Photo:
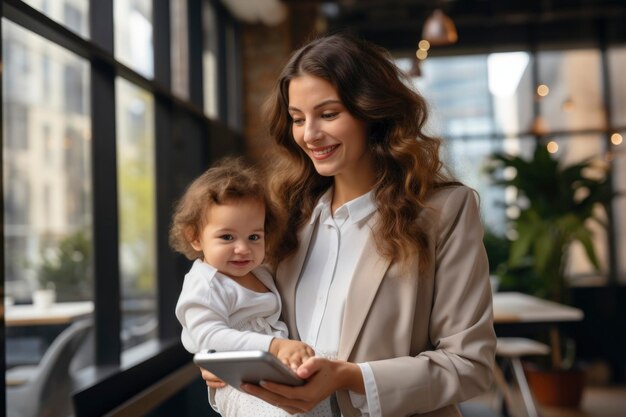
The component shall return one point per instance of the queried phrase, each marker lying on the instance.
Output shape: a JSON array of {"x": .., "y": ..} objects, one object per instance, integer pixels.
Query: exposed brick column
[{"x": 265, "y": 51}]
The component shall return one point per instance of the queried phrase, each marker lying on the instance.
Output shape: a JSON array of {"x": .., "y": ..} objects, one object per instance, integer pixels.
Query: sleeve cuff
[
  {"x": 368, "y": 404},
  {"x": 259, "y": 342}
]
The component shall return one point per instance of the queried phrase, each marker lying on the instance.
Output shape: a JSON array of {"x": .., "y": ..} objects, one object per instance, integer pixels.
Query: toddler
[{"x": 229, "y": 300}]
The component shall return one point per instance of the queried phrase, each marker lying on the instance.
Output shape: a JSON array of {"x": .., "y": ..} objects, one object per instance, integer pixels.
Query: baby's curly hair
[{"x": 229, "y": 180}]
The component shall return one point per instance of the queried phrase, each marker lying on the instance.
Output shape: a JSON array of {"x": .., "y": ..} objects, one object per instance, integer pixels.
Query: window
[
  {"x": 133, "y": 35},
  {"x": 94, "y": 154},
  {"x": 71, "y": 13},
  {"x": 74, "y": 17},
  {"x": 456, "y": 88},
  {"x": 49, "y": 206},
  {"x": 179, "y": 48},
  {"x": 487, "y": 103},
  {"x": 15, "y": 133},
  {"x": 136, "y": 191},
  {"x": 209, "y": 60},
  {"x": 574, "y": 99},
  {"x": 616, "y": 63},
  {"x": 47, "y": 188},
  {"x": 73, "y": 88}
]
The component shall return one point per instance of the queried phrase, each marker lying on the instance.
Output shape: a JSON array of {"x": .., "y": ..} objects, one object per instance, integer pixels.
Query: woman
[{"x": 382, "y": 268}]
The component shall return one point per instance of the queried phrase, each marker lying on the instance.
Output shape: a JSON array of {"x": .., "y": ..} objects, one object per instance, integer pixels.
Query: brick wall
[{"x": 265, "y": 51}]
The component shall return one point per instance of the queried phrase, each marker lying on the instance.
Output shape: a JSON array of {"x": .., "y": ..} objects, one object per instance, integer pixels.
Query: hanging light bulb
[
  {"x": 543, "y": 90},
  {"x": 553, "y": 147},
  {"x": 439, "y": 29}
]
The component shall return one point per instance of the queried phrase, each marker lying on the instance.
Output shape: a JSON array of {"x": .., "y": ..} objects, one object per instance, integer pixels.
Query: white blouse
[{"x": 336, "y": 246}]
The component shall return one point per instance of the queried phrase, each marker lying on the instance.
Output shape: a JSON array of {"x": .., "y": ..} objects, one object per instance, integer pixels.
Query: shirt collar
[
  {"x": 322, "y": 203},
  {"x": 358, "y": 209}
]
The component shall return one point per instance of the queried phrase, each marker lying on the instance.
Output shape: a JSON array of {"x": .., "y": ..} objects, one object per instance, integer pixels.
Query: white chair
[
  {"x": 45, "y": 389},
  {"x": 512, "y": 349}
]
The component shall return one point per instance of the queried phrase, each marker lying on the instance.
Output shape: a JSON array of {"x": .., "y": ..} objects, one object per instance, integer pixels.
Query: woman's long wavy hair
[{"x": 406, "y": 159}]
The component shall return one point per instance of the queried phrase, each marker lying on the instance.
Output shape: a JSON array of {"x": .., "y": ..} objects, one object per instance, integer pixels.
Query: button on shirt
[{"x": 335, "y": 249}]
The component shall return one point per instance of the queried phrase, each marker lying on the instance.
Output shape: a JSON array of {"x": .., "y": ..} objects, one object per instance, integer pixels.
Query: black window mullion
[
  {"x": 167, "y": 287},
  {"x": 232, "y": 69},
  {"x": 195, "y": 36},
  {"x": 101, "y": 24},
  {"x": 611, "y": 232},
  {"x": 107, "y": 298},
  {"x": 3, "y": 398},
  {"x": 161, "y": 28},
  {"x": 222, "y": 63}
]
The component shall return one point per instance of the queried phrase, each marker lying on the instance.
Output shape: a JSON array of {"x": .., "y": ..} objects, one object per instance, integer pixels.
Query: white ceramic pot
[{"x": 44, "y": 298}]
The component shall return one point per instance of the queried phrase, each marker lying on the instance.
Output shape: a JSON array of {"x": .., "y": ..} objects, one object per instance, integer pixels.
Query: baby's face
[{"x": 233, "y": 238}]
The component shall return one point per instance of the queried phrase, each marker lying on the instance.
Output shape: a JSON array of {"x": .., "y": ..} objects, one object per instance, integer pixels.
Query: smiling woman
[{"x": 376, "y": 243}]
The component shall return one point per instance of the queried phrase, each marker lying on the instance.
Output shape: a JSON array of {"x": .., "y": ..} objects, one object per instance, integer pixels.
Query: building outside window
[{"x": 481, "y": 104}]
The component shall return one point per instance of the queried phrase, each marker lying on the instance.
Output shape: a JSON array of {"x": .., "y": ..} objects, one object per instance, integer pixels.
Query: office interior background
[{"x": 110, "y": 108}]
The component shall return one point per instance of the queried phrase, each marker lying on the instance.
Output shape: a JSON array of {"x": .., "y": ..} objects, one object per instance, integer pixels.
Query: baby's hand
[{"x": 291, "y": 352}]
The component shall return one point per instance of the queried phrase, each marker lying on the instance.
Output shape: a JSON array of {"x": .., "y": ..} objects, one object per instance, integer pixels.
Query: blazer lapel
[
  {"x": 287, "y": 276},
  {"x": 367, "y": 277}
]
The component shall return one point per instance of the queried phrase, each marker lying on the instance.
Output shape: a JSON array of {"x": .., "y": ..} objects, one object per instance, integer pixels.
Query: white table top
[
  {"x": 57, "y": 313},
  {"x": 515, "y": 307},
  {"x": 508, "y": 307}
]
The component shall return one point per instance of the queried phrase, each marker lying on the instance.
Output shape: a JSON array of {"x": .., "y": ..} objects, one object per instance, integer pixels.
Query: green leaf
[
  {"x": 585, "y": 237},
  {"x": 521, "y": 247},
  {"x": 561, "y": 201}
]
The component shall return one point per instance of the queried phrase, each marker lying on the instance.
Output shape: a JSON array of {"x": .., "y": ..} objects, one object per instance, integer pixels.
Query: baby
[{"x": 229, "y": 300}]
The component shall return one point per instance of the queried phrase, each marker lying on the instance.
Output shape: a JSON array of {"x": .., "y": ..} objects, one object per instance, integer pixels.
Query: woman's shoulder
[
  {"x": 450, "y": 193},
  {"x": 447, "y": 202}
]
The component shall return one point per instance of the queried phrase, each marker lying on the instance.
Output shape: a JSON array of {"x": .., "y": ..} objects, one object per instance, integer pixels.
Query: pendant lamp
[{"x": 439, "y": 29}]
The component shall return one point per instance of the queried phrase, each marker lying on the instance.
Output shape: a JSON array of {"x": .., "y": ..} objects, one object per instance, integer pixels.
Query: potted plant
[
  {"x": 555, "y": 206},
  {"x": 66, "y": 267}
]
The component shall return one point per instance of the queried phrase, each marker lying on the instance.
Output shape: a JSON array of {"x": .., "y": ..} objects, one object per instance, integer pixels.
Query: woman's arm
[{"x": 459, "y": 364}]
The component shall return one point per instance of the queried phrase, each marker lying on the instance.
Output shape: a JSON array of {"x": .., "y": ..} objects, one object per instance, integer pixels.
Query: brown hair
[
  {"x": 406, "y": 159},
  {"x": 230, "y": 179}
]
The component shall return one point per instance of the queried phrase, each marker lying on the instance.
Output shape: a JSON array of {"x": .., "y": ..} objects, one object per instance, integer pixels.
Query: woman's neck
[{"x": 347, "y": 190}]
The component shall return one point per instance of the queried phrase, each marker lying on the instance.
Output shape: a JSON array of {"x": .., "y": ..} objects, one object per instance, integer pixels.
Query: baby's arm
[
  {"x": 204, "y": 311},
  {"x": 291, "y": 352}
]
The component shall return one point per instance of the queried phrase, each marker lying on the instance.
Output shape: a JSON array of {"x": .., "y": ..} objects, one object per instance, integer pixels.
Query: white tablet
[{"x": 251, "y": 366}]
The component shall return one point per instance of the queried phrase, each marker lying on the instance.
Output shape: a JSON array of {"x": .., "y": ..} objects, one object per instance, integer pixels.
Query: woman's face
[{"x": 333, "y": 138}]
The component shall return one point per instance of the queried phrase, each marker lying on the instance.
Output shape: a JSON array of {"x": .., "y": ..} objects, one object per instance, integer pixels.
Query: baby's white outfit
[{"x": 218, "y": 313}]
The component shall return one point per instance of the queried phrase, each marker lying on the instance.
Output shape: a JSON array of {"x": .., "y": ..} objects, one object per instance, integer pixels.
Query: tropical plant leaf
[
  {"x": 560, "y": 202},
  {"x": 585, "y": 237},
  {"x": 521, "y": 246}
]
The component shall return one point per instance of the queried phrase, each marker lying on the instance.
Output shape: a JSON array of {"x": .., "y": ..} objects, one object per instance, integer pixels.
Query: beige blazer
[{"x": 427, "y": 336}]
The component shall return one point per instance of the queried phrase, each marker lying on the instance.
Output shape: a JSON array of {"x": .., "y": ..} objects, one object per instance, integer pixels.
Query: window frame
[{"x": 140, "y": 366}]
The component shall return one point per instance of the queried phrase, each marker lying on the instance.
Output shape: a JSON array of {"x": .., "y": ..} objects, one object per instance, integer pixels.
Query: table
[
  {"x": 58, "y": 313},
  {"x": 517, "y": 310},
  {"x": 516, "y": 307}
]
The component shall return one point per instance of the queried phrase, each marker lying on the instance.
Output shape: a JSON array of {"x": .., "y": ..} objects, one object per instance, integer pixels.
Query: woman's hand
[
  {"x": 211, "y": 380},
  {"x": 323, "y": 377}
]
